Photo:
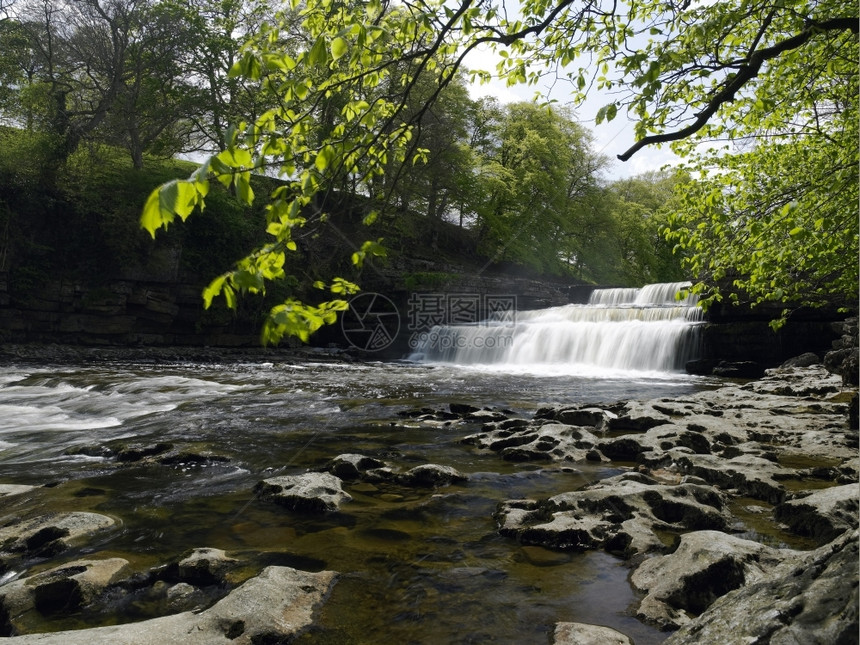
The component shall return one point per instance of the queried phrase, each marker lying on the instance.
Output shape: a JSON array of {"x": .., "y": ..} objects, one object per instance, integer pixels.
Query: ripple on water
[{"x": 419, "y": 566}]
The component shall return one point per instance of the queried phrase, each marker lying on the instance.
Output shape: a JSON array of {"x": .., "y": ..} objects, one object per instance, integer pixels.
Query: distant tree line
[{"x": 159, "y": 78}]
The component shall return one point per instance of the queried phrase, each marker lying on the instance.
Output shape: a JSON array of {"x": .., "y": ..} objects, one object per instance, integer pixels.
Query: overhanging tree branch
[{"x": 745, "y": 73}]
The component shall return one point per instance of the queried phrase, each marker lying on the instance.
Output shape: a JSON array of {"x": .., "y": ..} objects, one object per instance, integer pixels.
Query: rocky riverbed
[{"x": 708, "y": 486}]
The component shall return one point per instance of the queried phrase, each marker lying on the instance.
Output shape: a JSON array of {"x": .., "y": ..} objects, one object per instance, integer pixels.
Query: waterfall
[{"x": 645, "y": 329}]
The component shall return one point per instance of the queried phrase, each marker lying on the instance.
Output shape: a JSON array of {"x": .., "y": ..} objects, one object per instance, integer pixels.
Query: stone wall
[{"x": 122, "y": 312}]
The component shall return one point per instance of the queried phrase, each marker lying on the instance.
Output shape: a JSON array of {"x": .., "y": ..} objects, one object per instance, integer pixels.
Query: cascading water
[{"x": 646, "y": 329}]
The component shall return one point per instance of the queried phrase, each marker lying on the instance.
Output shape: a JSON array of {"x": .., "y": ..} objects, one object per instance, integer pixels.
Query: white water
[{"x": 620, "y": 330}]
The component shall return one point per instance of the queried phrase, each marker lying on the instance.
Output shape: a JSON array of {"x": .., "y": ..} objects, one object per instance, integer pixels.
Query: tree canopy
[{"x": 775, "y": 214}]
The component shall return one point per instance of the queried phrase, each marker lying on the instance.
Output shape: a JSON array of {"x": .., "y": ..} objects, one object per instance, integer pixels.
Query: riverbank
[{"x": 716, "y": 502}]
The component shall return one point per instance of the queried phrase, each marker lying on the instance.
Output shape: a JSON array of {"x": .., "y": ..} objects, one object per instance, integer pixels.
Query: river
[{"x": 417, "y": 566}]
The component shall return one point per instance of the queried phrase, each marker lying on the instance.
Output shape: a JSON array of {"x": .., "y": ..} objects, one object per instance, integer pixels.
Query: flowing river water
[{"x": 418, "y": 566}]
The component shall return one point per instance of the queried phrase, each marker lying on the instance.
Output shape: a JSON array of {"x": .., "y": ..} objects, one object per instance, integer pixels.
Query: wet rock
[
  {"x": 274, "y": 607},
  {"x": 205, "y": 566},
  {"x": 430, "y": 476},
  {"x": 352, "y": 466},
  {"x": 619, "y": 514},
  {"x": 746, "y": 475},
  {"x": 47, "y": 535},
  {"x": 462, "y": 409},
  {"x": 90, "y": 450},
  {"x": 822, "y": 515},
  {"x": 811, "y": 599},
  {"x": 594, "y": 417},
  {"x": 795, "y": 381},
  {"x": 844, "y": 360},
  {"x": 655, "y": 440},
  {"x": 138, "y": 453},
  {"x": 183, "y": 597},
  {"x": 804, "y": 360},
  {"x": 739, "y": 369},
  {"x": 192, "y": 458},
  {"x": 308, "y": 492},
  {"x": 62, "y": 589},
  {"x": 584, "y": 634},
  {"x": 539, "y": 441},
  {"x": 638, "y": 416},
  {"x": 705, "y": 566}
]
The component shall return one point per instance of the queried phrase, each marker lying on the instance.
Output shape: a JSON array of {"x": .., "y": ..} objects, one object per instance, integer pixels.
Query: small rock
[
  {"x": 205, "y": 566},
  {"x": 584, "y": 634},
  {"x": 352, "y": 466},
  {"x": 804, "y": 360},
  {"x": 9, "y": 490},
  {"x": 309, "y": 492},
  {"x": 430, "y": 476}
]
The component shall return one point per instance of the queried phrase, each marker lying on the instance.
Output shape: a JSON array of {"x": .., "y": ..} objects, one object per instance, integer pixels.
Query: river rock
[
  {"x": 540, "y": 441},
  {"x": 806, "y": 359},
  {"x": 66, "y": 588},
  {"x": 597, "y": 418},
  {"x": 308, "y": 492},
  {"x": 430, "y": 476},
  {"x": 47, "y": 535},
  {"x": 10, "y": 490},
  {"x": 810, "y": 598},
  {"x": 205, "y": 566},
  {"x": 585, "y": 634},
  {"x": 658, "y": 439},
  {"x": 823, "y": 514},
  {"x": 274, "y": 607},
  {"x": 352, "y": 466},
  {"x": 814, "y": 380},
  {"x": 619, "y": 514},
  {"x": 705, "y": 566},
  {"x": 745, "y": 475}
]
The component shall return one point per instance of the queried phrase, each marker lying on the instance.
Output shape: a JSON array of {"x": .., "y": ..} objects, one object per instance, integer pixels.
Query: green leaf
[{"x": 339, "y": 47}]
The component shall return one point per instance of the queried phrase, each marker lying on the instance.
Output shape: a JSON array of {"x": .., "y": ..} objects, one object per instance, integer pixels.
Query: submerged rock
[
  {"x": 274, "y": 607},
  {"x": 811, "y": 599},
  {"x": 308, "y": 492}
]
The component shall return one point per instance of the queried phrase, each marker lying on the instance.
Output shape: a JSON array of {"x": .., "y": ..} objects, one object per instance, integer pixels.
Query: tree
[
  {"x": 640, "y": 206},
  {"x": 215, "y": 32},
  {"x": 685, "y": 72},
  {"x": 535, "y": 170},
  {"x": 153, "y": 98}
]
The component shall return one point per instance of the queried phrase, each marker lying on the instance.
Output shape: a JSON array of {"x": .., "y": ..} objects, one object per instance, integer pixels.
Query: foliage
[
  {"x": 640, "y": 207},
  {"x": 534, "y": 172},
  {"x": 345, "y": 110}
]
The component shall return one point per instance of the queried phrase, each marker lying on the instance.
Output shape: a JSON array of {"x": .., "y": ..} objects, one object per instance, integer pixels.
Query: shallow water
[{"x": 417, "y": 566}]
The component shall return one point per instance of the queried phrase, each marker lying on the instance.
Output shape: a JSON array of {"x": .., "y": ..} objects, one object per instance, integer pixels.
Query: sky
[{"x": 611, "y": 138}]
